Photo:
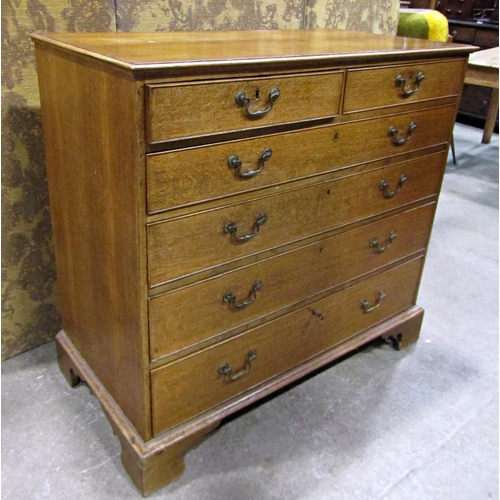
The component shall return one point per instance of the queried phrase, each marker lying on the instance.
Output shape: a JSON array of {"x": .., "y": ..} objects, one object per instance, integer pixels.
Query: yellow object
[
  {"x": 423, "y": 23},
  {"x": 438, "y": 25}
]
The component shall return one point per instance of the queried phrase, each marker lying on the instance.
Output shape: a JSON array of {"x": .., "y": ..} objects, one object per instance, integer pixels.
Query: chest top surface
[{"x": 153, "y": 51}]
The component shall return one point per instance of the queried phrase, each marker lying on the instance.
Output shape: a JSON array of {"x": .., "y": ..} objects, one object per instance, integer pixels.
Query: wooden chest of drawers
[{"x": 232, "y": 211}]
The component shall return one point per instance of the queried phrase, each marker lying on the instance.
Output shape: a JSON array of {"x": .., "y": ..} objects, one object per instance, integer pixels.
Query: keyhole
[
  {"x": 328, "y": 193},
  {"x": 318, "y": 315},
  {"x": 257, "y": 94}
]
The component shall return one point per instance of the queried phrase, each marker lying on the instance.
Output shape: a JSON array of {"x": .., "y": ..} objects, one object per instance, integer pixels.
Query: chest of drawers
[{"x": 232, "y": 211}]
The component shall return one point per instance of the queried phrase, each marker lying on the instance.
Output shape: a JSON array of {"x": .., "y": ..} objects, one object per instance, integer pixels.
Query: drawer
[
  {"x": 194, "y": 175},
  {"x": 195, "y": 384},
  {"x": 475, "y": 100},
  {"x": 176, "y": 111},
  {"x": 284, "y": 280},
  {"x": 463, "y": 34},
  {"x": 486, "y": 38},
  {"x": 372, "y": 88},
  {"x": 192, "y": 243}
]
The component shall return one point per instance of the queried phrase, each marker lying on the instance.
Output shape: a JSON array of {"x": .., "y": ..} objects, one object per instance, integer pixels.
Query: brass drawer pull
[
  {"x": 399, "y": 141},
  {"x": 374, "y": 243},
  {"x": 231, "y": 228},
  {"x": 384, "y": 187},
  {"x": 401, "y": 82},
  {"x": 234, "y": 162},
  {"x": 230, "y": 297},
  {"x": 227, "y": 371},
  {"x": 367, "y": 308},
  {"x": 242, "y": 100}
]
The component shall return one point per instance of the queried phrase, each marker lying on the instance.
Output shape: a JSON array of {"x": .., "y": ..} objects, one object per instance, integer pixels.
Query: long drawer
[
  {"x": 189, "y": 176},
  {"x": 373, "y": 88},
  {"x": 204, "y": 108},
  {"x": 217, "y": 305},
  {"x": 199, "y": 382},
  {"x": 188, "y": 244}
]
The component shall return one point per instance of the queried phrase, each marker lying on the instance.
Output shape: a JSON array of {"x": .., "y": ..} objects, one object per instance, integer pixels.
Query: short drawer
[
  {"x": 215, "y": 306},
  {"x": 176, "y": 111},
  {"x": 475, "y": 100},
  {"x": 462, "y": 34},
  {"x": 197, "y": 383},
  {"x": 185, "y": 245},
  {"x": 189, "y": 176},
  {"x": 373, "y": 88},
  {"x": 486, "y": 38}
]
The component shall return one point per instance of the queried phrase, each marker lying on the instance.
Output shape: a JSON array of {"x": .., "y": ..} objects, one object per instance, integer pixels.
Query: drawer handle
[
  {"x": 227, "y": 371},
  {"x": 401, "y": 82},
  {"x": 231, "y": 228},
  {"x": 384, "y": 187},
  {"x": 242, "y": 100},
  {"x": 399, "y": 141},
  {"x": 230, "y": 297},
  {"x": 374, "y": 243},
  {"x": 234, "y": 162},
  {"x": 367, "y": 308}
]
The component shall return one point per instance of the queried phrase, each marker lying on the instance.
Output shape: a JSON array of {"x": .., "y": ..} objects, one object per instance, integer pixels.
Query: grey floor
[{"x": 418, "y": 424}]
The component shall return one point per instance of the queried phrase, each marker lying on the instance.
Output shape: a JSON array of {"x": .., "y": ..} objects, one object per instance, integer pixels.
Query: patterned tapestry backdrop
[{"x": 29, "y": 297}]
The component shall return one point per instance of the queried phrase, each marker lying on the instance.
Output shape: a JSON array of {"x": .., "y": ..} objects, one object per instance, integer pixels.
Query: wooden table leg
[{"x": 490, "y": 119}]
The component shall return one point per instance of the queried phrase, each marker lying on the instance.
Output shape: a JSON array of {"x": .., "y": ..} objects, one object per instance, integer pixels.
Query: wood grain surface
[
  {"x": 192, "y": 385},
  {"x": 201, "y": 51},
  {"x": 372, "y": 88},
  {"x": 195, "y": 242},
  {"x": 95, "y": 169},
  {"x": 179, "y": 178},
  {"x": 196, "y": 313},
  {"x": 207, "y": 108}
]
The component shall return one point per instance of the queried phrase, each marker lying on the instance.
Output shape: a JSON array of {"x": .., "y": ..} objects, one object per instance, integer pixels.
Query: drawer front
[
  {"x": 192, "y": 385},
  {"x": 194, "y": 175},
  {"x": 475, "y": 100},
  {"x": 207, "y": 108},
  {"x": 188, "y": 244},
  {"x": 486, "y": 38},
  {"x": 463, "y": 34},
  {"x": 372, "y": 88},
  {"x": 284, "y": 280}
]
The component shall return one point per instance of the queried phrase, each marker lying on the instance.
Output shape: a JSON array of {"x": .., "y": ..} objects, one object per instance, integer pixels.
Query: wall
[{"x": 29, "y": 298}]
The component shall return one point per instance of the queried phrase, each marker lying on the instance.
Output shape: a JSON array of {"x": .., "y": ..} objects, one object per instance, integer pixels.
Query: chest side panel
[{"x": 95, "y": 168}]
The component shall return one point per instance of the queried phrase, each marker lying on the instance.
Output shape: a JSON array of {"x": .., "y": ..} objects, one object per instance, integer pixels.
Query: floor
[{"x": 417, "y": 424}]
